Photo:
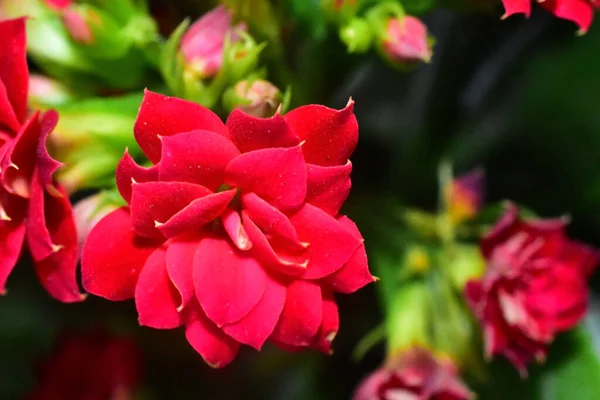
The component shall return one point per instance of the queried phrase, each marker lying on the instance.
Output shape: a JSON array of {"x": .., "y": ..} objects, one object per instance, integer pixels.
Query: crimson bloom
[
  {"x": 90, "y": 366},
  {"x": 33, "y": 207},
  {"x": 580, "y": 12},
  {"x": 534, "y": 287},
  {"x": 235, "y": 231},
  {"x": 414, "y": 374}
]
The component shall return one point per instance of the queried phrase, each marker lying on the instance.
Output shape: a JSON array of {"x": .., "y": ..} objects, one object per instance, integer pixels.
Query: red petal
[
  {"x": 153, "y": 203},
  {"x": 113, "y": 256},
  {"x": 19, "y": 161},
  {"x": 330, "y": 244},
  {"x": 234, "y": 228},
  {"x": 331, "y": 135},
  {"x": 156, "y": 299},
  {"x": 328, "y": 187},
  {"x": 180, "y": 261},
  {"x": 330, "y": 324},
  {"x": 57, "y": 272},
  {"x": 251, "y": 133},
  {"x": 269, "y": 219},
  {"x": 228, "y": 285},
  {"x": 128, "y": 171},
  {"x": 13, "y": 68},
  {"x": 46, "y": 165},
  {"x": 39, "y": 237},
  {"x": 301, "y": 316},
  {"x": 579, "y": 11},
  {"x": 161, "y": 115},
  {"x": 355, "y": 274},
  {"x": 516, "y": 7},
  {"x": 8, "y": 118},
  {"x": 256, "y": 327},
  {"x": 197, "y": 214},
  {"x": 277, "y": 175},
  {"x": 12, "y": 234},
  {"x": 215, "y": 347},
  {"x": 197, "y": 156},
  {"x": 286, "y": 263}
]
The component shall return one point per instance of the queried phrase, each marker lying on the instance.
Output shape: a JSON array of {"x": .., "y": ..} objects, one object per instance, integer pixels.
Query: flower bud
[
  {"x": 259, "y": 98},
  {"x": 47, "y": 92},
  {"x": 357, "y": 35},
  {"x": 78, "y": 27},
  {"x": 406, "y": 41},
  {"x": 464, "y": 196},
  {"x": 88, "y": 212},
  {"x": 203, "y": 44},
  {"x": 415, "y": 373}
]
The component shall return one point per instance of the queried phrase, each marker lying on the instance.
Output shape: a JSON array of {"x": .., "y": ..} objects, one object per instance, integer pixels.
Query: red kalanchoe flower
[
  {"x": 534, "y": 287},
  {"x": 33, "y": 207},
  {"x": 91, "y": 366},
  {"x": 406, "y": 40},
  {"x": 203, "y": 44},
  {"x": 414, "y": 374},
  {"x": 235, "y": 231},
  {"x": 580, "y": 12}
]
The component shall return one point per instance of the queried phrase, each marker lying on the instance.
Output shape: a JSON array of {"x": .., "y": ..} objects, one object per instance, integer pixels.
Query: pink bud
[
  {"x": 464, "y": 195},
  {"x": 202, "y": 45},
  {"x": 261, "y": 98},
  {"x": 87, "y": 213},
  {"x": 406, "y": 40},
  {"x": 77, "y": 26},
  {"x": 43, "y": 90}
]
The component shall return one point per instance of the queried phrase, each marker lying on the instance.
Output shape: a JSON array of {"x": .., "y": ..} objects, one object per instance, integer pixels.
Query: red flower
[
  {"x": 235, "y": 231},
  {"x": 535, "y": 286},
  {"x": 202, "y": 45},
  {"x": 92, "y": 366},
  {"x": 32, "y": 206},
  {"x": 406, "y": 40},
  {"x": 415, "y": 374},
  {"x": 580, "y": 12}
]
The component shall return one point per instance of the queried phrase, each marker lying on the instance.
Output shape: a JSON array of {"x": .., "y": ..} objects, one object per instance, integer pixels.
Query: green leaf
[{"x": 171, "y": 62}]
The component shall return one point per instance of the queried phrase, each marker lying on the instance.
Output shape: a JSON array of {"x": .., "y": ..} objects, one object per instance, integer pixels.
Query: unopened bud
[
  {"x": 259, "y": 98},
  {"x": 88, "y": 212},
  {"x": 464, "y": 196},
  {"x": 203, "y": 44},
  {"x": 357, "y": 35},
  {"x": 47, "y": 92},
  {"x": 406, "y": 41},
  {"x": 77, "y": 25}
]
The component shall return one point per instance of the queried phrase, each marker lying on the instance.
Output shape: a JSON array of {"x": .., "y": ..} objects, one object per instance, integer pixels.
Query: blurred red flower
[
  {"x": 91, "y": 366},
  {"x": 534, "y": 287},
  {"x": 235, "y": 232},
  {"x": 414, "y": 374},
  {"x": 33, "y": 207}
]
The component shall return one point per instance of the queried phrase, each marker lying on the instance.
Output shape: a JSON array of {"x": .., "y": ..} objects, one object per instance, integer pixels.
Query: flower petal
[
  {"x": 228, "y": 285},
  {"x": 161, "y": 115},
  {"x": 197, "y": 157},
  {"x": 330, "y": 324},
  {"x": 257, "y": 326},
  {"x": 328, "y": 187},
  {"x": 180, "y": 261},
  {"x": 57, "y": 272},
  {"x": 330, "y": 244},
  {"x": 286, "y": 263},
  {"x": 301, "y": 316},
  {"x": 580, "y": 12},
  {"x": 39, "y": 237},
  {"x": 12, "y": 235},
  {"x": 156, "y": 299},
  {"x": 251, "y": 133},
  {"x": 46, "y": 165},
  {"x": 232, "y": 223},
  {"x": 215, "y": 347},
  {"x": 154, "y": 203},
  {"x": 113, "y": 257},
  {"x": 278, "y": 175},
  {"x": 128, "y": 172},
  {"x": 331, "y": 135},
  {"x": 355, "y": 274},
  {"x": 8, "y": 118},
  {"x": 516, "y": 7},
  {"x": 269, "y": 219},
  {"x": 13, "y": 68},
  {"x": 197, "y": 214}
]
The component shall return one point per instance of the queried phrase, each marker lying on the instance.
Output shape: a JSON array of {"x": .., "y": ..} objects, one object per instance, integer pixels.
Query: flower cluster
[
  {"x": 34, "y": 209},
  {"x": 235, "y": 230},
  {"x": 535, "y": 286}
]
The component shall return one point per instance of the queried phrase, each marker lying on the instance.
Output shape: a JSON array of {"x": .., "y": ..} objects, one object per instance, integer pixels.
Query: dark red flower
[
  {"x": 580, "y": 12},
  {"x": 414, "y": 374},
  {"x": 33, "y": 207},
  {"x": 91, "y": 366},
  {"x": 534, "y": 287},
  {"x": 235, "y": 231}
]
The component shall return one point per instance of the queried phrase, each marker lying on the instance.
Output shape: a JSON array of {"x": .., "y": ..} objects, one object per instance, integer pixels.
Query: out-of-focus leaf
[{"x": 171, "y": 61}]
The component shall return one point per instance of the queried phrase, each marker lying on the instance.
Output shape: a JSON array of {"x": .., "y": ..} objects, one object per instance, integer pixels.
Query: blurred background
[{"x": 519, "y": 97}]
